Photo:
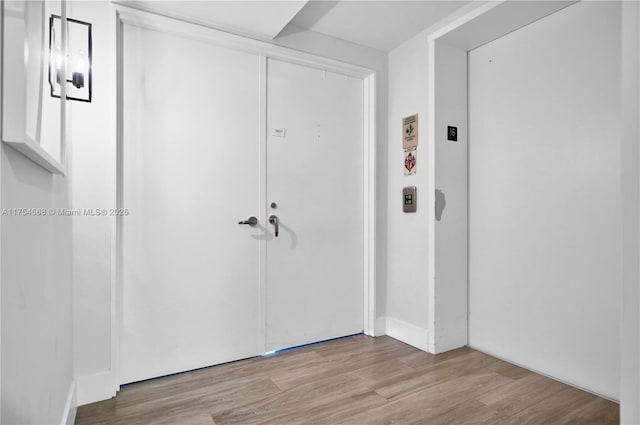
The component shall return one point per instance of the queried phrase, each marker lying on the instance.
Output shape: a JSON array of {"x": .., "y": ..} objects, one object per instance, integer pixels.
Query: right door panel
[
  {"x": 544, "y": 196},
  {"x": 314, "y": 283}
]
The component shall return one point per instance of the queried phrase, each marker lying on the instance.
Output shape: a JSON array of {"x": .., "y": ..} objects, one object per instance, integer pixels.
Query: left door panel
[{"x": 190, "y": 272}]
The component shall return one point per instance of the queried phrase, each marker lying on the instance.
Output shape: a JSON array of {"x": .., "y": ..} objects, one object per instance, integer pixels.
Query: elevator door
[{"x": 544, "y": 196}]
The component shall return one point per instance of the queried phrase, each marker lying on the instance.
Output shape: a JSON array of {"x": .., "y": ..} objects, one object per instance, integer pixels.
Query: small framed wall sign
[
  {"x": 410, "y": 161},
  {"x": 410, "y": 131}
]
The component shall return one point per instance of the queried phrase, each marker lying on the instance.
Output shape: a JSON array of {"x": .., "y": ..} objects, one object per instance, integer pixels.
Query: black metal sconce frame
[{"x": 78, "y": 79}]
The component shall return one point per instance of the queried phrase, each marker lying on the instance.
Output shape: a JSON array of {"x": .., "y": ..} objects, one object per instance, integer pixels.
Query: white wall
[
  {"x": 35, "y": 262},
  {"x": 37, "y": 334},
  {"x": 1, "y": 114},
  {"x": 408, "y": 313},
  {"x": 450, "y": 290},
  {"x": 544, "y": 196},
  {"x": 94, "y": 187},
  {"x": 630, "y": 332},
  {"x": 37, "y": 312}
]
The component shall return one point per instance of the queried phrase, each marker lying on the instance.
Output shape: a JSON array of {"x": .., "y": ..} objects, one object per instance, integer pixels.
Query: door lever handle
[
  {"x": 251, "y": 221},
  {"x": 274, "y": 220}
]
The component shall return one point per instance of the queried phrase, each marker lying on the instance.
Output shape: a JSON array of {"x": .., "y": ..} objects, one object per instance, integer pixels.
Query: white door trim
[
  {"x": 168, "y": 25},
  {"x": 262, "y": 194},
  {"x": 129, "y": 16},
  {"x": 369, "y": 201}
]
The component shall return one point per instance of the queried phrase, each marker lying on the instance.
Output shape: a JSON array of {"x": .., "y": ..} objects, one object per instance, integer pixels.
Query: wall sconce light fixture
[{"x": 78, "y": 59}]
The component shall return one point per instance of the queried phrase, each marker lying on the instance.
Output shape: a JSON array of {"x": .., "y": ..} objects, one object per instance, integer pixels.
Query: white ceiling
[
  {"x": 382, "y": 25},
  {"x": 260, "y": 19},
  {"x": 379, "y": 24}
]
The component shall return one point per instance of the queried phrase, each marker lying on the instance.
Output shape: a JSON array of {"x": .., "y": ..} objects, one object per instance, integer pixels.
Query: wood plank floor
[{"x": 355, "y": 380}]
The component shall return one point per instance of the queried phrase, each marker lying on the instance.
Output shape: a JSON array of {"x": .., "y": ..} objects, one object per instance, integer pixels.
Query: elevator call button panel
[{"x": 409, "y": 199}]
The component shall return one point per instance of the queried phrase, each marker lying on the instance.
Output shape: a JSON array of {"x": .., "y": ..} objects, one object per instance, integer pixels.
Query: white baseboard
[
  {"x": 407, "y": 333},
  {"x": 70, "y": 407},
  {"x": 96, "y": 387}
]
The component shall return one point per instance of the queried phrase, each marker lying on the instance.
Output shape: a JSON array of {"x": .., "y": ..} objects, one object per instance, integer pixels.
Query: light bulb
[
  {"x": 59, "y": 58},
  {"x": 81, "y": 62}
]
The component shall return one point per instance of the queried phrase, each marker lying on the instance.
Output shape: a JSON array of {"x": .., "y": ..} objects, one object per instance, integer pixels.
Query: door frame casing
[
  {"x": 263, "y": 50},
  {"x": 484, "y": 23},
  {"x": 480, "y": 25}
]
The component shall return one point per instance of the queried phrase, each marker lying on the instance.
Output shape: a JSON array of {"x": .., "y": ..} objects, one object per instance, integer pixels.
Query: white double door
[{"x": 198, "y": 288}]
